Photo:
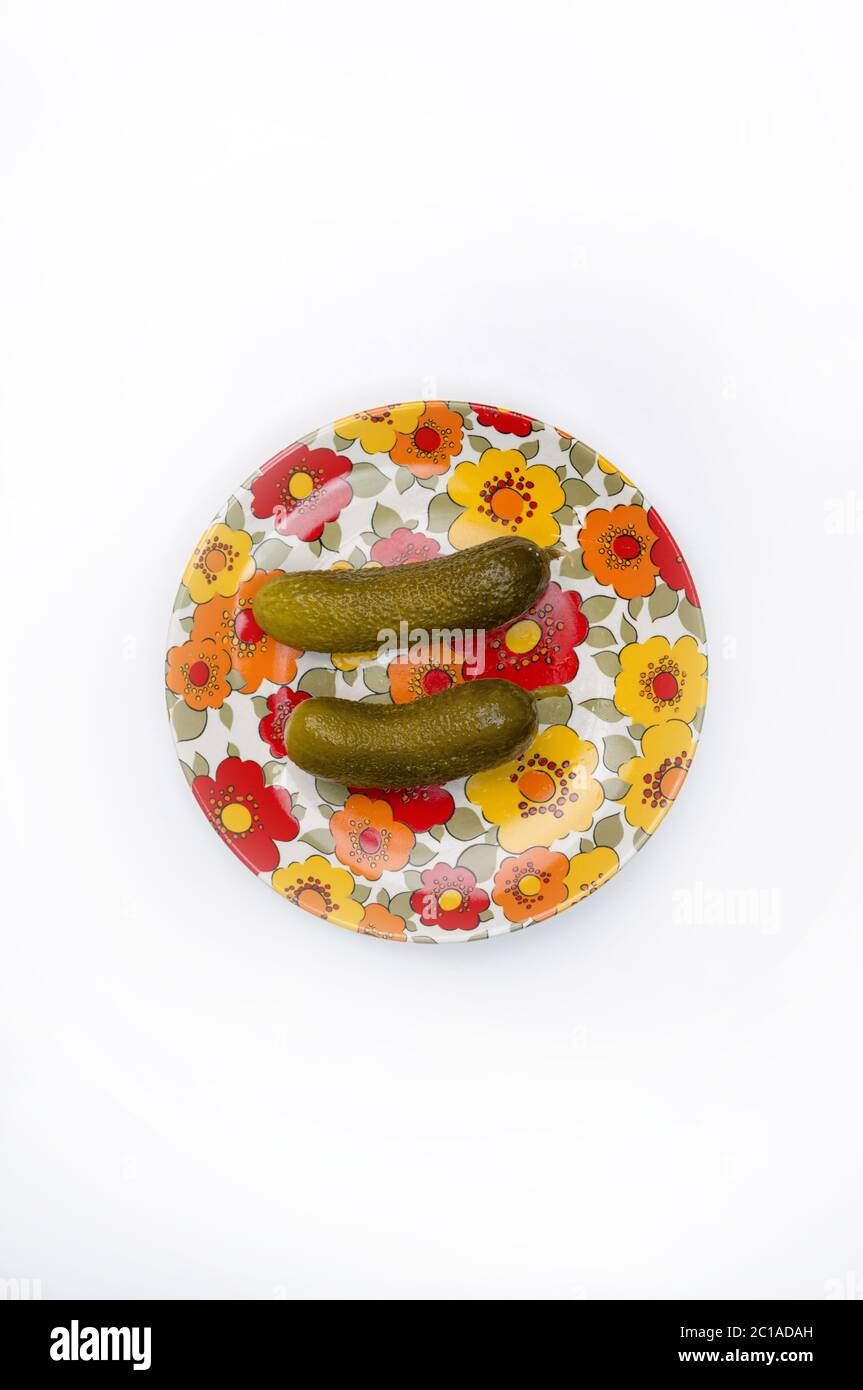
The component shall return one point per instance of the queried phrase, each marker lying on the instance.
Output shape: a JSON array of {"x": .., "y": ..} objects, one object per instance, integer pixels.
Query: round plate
[{"x": 619, "y": 631}]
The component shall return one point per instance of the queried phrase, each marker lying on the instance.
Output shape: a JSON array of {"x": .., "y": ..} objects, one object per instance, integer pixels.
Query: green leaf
[
  {"x": 597, "y": 608},
  {"x": 361, "y": 892},
  {"x": 662, "y": 601},
  {"x": 600, "y": 637},
  {"x": 375, "y": 699},
  {"x": 608, "y": 663},
  {"x": 579, "y": 493},
  {"x": 609, "y": 832},
  {"x": 314, "y": 547},
  {"x": 465, "y": 824},
  {"x": 603, "y": 709},
  {"x": 582, "y": 458},
  {"x": 627, "y": 632},
  {"x": 436, "y": 832},
  {"x": 200, "y": 766},
  {"x": 635, "y": 606},
  {"x": 272, "y": 772},
  {"x": 479, "y": 443},
  {"x": 692, "y": 618},
  {"x": 320, "y": 680},
  {"x": 183, "y": 599},
  {"x": 383, "y": 898},
  {"x": 636, "y": 731},
  {"x": 481, "y": 860},
  {"x": 637, "y": 499},
  {"x": 401, "y": 905},
  {"x": 349, "y": 676},
  {"x": 404, "y": 479},
  {"x": 257, "y": 537},
  {"x": 260, "y": 706},
  {"x": 233, "y": 751},
  {"x": 331, "y": 536},
  {"x": 226, "y": 714},
  {"x": 236, "y": 680},
  {"x": 331, "y": 792},
  {"x": 530, "y": 448},
  {"x": 272, "y": 554},
  {"x": 187, "y": 772},
  {"x": 639, "y": 838},
  {"x": 585, "y": 845},
  {"x": 376, "y": 680},
  {"x": 188, "y": 723},
  {"x": 615, "y": 788},
  {"x": 554, "y": 709},
  {"x": 235, "y": 517},
  {"x": 613, "y": 484},
  {"x": 699, "y": 719},
  {"x": 617, "y": 749},
  {"x": 572, "y": 566},
  {"x": 565, "y": 516},
  {"x": 421, "y": 854},
  {"x": 442, "y": 512},
  {"x": 319, "y": 839},
  {"x": 366, "y": 480},
  {"x": 385, "y": 520},
  {"x": 412, "y": 879},
  {"x": 461, "y": 408},
  {"x": 187, "y": 624}
]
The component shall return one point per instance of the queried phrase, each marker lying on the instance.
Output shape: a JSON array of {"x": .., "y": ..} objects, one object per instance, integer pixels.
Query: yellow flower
[
  {"x": 504, "y": 495},
  {"x": 608, "y": 467},
  {"x": 587, "y": 872},
  {"x": 221, "y": 561},
  {"x": 658, "y": 774},
  {"x": 659, "y": 682},
  {"x": 544, "y": 794},
  {"x": 322, "y": 889},
  {"x": 377, "y": 429}
]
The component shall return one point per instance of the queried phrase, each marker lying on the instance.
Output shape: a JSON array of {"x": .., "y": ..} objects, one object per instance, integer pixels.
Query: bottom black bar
[{"x": 73, "y": 1337}]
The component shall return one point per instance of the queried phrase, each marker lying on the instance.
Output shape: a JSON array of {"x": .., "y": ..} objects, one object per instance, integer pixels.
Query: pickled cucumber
[
  {"x": 465, "y": 729},
  {"x": 349, "y": 610}
]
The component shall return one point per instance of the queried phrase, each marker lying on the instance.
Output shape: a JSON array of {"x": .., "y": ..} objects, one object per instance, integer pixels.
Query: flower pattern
[
  {"x": 511, "y": 846},
  {"x": 378, "y": 430},
  {"x": 531, "y": 885},
  {"x": 280, "y": 706},
  {"x": 658, "y": 773},
  {"x": 449, "y": 898},
  {"x": 537, "y": 648},
  {"x": 431, "y": 445},
  {"x": 546, "y": 793},
  {"x": 321, "y": 888},
  {"x": 658, "y": 681},
  {"x": 617, "y": 547},
  {"x": 368, "y": 839},
  {"x": 249, "y": 816},
  {"x": 505, "y": 495},
  {"x": 197, "y": 672},
  {"x": 220, "y": 562},
  {"x": 302, "y": 489},
  {"x": 231, "y": 624}
]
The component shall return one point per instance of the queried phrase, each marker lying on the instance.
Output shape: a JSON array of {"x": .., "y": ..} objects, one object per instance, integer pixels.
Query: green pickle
[
  {"x": 466, "y": 729},
  {"x": 349, "y": 610}
]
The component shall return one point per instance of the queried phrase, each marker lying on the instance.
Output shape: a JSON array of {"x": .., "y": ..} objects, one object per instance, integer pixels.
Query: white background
[{"x": 224, "y": 225}]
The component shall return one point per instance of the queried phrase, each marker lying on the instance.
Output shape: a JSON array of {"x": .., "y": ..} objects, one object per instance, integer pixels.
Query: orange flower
[
  {"x": 197, "y": 671},
  {"x": 430, "y": 447},
  {"x": 411, "y": 680},
  {"x": 531, "y": 885},
  {"x": 230, "y": 622},
  {"x": 377, "y": 921},
  {"x": 617, "y": 547},
  {"x": 368, "y": 839}
]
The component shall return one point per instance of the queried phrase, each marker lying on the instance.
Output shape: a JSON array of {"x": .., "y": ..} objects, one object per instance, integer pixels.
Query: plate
[{"x": 617, "y": 641}]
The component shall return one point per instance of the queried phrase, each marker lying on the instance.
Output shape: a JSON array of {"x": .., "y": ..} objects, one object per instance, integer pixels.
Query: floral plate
[{"x": 619, "y": 630}]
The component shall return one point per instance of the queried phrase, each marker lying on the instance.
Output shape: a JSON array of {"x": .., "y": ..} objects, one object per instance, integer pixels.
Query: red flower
[
  {"x": 404, "y": 547},
  {"x": 281, "y": 705},
  {"x": 248, "y": 816},
  {"x": 504, "y": 421},
  {"x": 539, "y": 647},
  {"x": 666, "y": 555},
  {"x": 303, "y": 489},
  {"x": 417, "y": 807},
  {"x": 449, "y": 898}
]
